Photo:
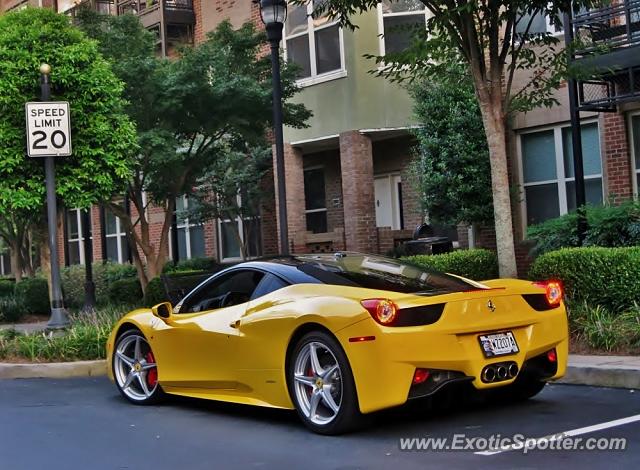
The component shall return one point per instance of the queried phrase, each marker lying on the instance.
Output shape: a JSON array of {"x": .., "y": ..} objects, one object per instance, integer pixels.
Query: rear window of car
[{"x": 379, "y": 273}]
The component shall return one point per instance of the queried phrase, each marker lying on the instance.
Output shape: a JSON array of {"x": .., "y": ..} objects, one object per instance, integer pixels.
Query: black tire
[
  {"x": 156, "y": 394},
  {"x": 348, "y": 417}
]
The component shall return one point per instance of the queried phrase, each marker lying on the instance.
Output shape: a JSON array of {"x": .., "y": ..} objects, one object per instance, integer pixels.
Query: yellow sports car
[{"x": 338, "y": 336}]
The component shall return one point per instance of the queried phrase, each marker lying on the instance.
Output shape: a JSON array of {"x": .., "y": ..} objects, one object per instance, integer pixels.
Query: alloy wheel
[
  {"x": 318, "y": 383},
  {"x": 134, "y": 367}
]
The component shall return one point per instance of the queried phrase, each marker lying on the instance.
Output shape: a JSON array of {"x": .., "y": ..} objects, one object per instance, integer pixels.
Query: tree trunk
[
  {"x": 16, "y": 265},
  {"x": 493, "y": 118}
]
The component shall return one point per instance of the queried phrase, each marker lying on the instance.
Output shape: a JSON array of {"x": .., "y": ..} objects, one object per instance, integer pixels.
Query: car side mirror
[{"x": 163, "y": 310}]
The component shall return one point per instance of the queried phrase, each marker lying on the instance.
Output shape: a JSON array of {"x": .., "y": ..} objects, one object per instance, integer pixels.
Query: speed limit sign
[{"x": 48, "y": 129}]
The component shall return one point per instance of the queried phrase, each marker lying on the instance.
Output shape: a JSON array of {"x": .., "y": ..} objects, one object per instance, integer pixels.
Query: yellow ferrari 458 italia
[{"x": 338, "y": 336}]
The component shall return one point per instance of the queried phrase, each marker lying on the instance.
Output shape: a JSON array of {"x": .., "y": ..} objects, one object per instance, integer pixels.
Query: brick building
[{"x": 347, "y": 174}]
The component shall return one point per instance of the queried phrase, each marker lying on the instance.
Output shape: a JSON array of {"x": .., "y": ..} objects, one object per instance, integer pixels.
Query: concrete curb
[
  {"x": 603, "y": 371},
  {"x": 53, "y": 370}
]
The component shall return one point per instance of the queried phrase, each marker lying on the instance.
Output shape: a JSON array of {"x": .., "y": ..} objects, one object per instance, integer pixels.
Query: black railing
[
  {"x": 607, "y": 53},
  {"x": 610, "y": 27},
  {"x": 141, "y": 6}
]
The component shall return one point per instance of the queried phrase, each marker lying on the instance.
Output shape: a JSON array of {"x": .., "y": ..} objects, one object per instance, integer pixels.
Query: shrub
[
  {"x": 85, "y": 340},
  {"x": 155, "y": 293},
  {"x": 477, "y": 264},
  {"x": 104, "y": 274},
  {"x": 609, "y": 277},
  {"x": 193, "y": 264},
  {"x": 7, "y": 288},
  {"x": 603, "y": 330},
  {"x": 609, "y": 226},
  {"x": 125, "y": 291},
  {"x": 33, "y": 293},
  {"x": 11, "y": 310}
]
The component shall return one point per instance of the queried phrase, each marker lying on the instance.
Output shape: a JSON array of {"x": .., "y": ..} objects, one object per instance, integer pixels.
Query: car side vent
[
  {"x": 416, "y": 316},
  {"x": 538, "y": 302}
]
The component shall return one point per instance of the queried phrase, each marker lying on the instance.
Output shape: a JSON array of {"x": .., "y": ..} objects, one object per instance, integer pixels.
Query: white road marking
[{"x": 570, "y": 433}]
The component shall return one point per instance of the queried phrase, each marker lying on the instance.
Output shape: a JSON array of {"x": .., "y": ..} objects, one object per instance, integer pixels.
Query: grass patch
[{"x": 84, "y": 340}]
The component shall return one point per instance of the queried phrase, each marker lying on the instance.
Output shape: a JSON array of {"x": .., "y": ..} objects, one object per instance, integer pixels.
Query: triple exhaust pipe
[{"x": 499, "y": 372}]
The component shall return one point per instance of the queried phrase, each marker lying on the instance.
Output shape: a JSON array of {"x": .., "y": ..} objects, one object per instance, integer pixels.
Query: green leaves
[
  {"x": 103, "y": 136},
  {"x": 451, "y": 166}
]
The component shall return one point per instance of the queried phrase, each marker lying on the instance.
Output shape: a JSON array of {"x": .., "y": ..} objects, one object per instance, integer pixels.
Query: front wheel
[
  {"x": 321, "y": 385},
  {"x": 135, "y": 370}
]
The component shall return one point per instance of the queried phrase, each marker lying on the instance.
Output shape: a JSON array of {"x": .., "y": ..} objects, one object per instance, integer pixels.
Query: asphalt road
[{"x": 85, "y": 424}]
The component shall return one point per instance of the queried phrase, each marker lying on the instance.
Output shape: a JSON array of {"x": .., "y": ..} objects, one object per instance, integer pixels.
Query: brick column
[
  {"x": 356, "y": 161},
  {"x": 617, "y": 159},
  {"x": 294, "y": 184},
  {"x": 96, "y": 233}
]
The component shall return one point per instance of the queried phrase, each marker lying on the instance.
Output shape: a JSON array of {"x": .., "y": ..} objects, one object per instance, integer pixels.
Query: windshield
[{"x": 379, "y": 273}]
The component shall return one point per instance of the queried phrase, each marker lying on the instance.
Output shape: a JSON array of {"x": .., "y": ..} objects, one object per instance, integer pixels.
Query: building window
[
  {"x": 115, "y": 237},
  {"x": 635, "y": 136},
  {"x": 315, "y": 200},
  {"x": 190, "y": 235},
  {"x": 74, "y": 239},
  {"x": 314, "y": 44},
  {"x": 547, "y": 171},
  {"x": 5, "y": 259},
  {"x": 396, "y": 22}
]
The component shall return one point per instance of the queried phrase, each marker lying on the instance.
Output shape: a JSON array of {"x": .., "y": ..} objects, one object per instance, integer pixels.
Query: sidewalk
[{"x": 26, "y": 327}]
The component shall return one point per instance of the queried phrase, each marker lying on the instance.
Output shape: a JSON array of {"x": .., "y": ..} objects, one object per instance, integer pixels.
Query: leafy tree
[
  {"x": 452, "y": 161},
  {"x": 193, "y": 113},
  {"x": 103, "y": 136},
  {"x": 234, "y": 188},
  {"x": 495, "y": 40}
]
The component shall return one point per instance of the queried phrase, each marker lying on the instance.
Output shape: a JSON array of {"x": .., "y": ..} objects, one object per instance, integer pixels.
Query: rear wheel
[
  {"x": 135, "y": 370},
  {"x": 321, "y": 385}
]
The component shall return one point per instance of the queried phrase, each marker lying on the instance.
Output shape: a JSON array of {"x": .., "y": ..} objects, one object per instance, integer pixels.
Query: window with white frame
[
  {"x": 547, "y": 171},
  {"x": 396, "y": 22},
  {"x": 75, "y": 240},
  {"x": 5, "y": 259},
  {"x": 540, "y": 24},
  {"x": 315, "y": 200},
  {"x": 190, "y": 235},
  {"x": 115, "y": 238},
  {"x": 635, "y": 137},
  {"x": 238, "y": 232},
  {"x": 314, "y": 44}
]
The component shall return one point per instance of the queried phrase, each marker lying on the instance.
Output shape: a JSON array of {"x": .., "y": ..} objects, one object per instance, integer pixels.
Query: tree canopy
[
  {"x": 195, "y": 113},
  {"x": 102, "y": 134},
  {"x": 452, "y": 161}
]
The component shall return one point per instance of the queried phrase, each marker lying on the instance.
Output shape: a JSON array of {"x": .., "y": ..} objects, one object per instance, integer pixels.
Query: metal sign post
[{"x": 48, "y": 135}]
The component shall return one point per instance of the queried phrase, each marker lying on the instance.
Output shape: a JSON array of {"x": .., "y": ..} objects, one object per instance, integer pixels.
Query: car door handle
[{"x": 234, "y": 324}]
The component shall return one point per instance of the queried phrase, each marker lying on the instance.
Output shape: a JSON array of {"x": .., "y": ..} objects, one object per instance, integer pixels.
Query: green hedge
[
  {"x": 477, "y": 264},
  {"x": 609, "y": 277},
  {"x": 7, "y": 288},
  {"x": 193, "y": 264},
  {"x": 104, "y": 274},
  {"x": 11, "y": 310},
  {"x": 125, "y": 291},
  {"x": 155, "y": 292},
  {"x": 609, "y": 226},
  {"x": 33, "y": 294}
]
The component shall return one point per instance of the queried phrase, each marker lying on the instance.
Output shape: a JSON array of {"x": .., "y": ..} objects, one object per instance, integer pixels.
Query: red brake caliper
[{"x": 152, "y": 374}]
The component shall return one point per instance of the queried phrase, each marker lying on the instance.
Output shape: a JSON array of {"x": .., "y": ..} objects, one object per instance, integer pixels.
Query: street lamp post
[
  {"x": 58, "y": 317},
  {"x": 274, "y": 14}
]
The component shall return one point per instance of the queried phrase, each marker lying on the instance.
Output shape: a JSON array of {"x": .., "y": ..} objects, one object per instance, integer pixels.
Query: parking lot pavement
[{"x": 85, "y": 424}]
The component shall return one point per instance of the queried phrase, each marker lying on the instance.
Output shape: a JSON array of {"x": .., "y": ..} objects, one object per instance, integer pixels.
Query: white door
[{"x": 386, "y": 195}]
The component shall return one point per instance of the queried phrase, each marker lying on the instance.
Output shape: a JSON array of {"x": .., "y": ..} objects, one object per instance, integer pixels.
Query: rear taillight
[
  {"x": 384, "y": 311},
  {"x": 553, "y": 292}
]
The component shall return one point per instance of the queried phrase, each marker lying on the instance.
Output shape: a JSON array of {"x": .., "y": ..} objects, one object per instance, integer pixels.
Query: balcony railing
[
  {"x": 139, "y": 7},
  {"x": 607, "y": 51},
  {"x": 610, "y": 27}
]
